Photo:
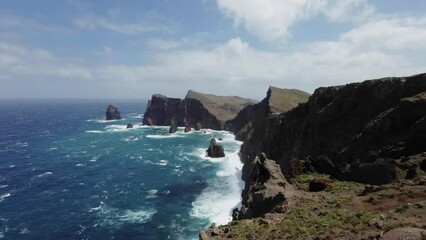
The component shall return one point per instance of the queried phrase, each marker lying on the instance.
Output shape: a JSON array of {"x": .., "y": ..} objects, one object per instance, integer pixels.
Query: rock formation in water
[
  {"x": 215, "y": 150},
  {"x": 173, "y": 126},
  {"x": 196, "y": 110},
  {"x": 112, "y": 113},
  {"x": 352, "y": 132},
  {"x": 129, "y": 125}
]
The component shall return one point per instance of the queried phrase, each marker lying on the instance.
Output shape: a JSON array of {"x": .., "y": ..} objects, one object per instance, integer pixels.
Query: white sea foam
[
  {"x": 24, "y": 231},
  {"x": 4, "y": 196},
  {"x": 152, "y": 193},
  {"x": 130, "y": 139},
  {"x": 222, "y": 193},
  {"x": 162, "y": 163},
  {"x": 102, "y": 120},
  {"x": 94, "y": 131},
  {"x": 12, "y": 166},
  {"x": 44, "y": 174},
  {"x": 4, "y": 186},
  {"x": 115, "y": 217},
  {"x": 95, "y": 158},
  {"x": 80, "y": 165},
  {"x": 163, "y": 136}
]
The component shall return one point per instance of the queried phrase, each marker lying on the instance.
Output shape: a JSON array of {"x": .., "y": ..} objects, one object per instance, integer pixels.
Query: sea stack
[
  {"x": 215, "y": 150},
  {"x": 112, "y": 113}
]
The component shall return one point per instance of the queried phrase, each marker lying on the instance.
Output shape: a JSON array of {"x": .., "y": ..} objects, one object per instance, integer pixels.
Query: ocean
[{"x": 66, "y": 173}]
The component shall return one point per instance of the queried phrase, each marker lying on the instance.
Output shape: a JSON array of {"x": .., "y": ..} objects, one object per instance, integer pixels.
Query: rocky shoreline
[{"x": 372, "y": 132}]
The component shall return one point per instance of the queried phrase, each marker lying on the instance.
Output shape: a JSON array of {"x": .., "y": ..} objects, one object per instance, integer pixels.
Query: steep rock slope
[
  {"x": 277, "y": 101},
  {"x": 197, "y": 110},
  {"x": 351, "y": 132}
]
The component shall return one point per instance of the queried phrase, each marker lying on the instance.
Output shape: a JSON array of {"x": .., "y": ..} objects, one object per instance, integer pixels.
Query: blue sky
[{"x": 132, "y": 49}]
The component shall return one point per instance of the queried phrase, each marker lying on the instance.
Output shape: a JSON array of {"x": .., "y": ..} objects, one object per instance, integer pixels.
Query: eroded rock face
[
  {"x": 196, "y": 110},
  {"x": 277, "y": 101},
  {"x": 215, "y": 150},
  {"x": 264, "y": 191},
  {"x": 160, "y": 110},
  {"x": 112, "y": 113},
  {"x": 356, "y": 130}
]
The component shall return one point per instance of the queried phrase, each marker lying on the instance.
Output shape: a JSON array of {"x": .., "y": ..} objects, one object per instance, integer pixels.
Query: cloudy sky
[{"x": 134, "y": 48}]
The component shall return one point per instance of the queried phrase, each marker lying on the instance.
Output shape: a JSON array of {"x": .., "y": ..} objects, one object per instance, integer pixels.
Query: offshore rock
[
  {"x": 187, "y": 128},
  {"x": 215, "y": 150},
  {"x": 264, "y": 190},
  {"x": 112, "y": 113},
  {"x": 129, "y": 125},
  {"x": 173, "y": 126},
  {"x": 356, "y": 130}
]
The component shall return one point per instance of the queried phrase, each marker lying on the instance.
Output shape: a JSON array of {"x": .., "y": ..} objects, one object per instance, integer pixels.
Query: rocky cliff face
[
  {"x": 277, "y": 101},
  {"x": 196, "y": 110},
  {"x": 160, "y": 110},
  {"x": 264, "y": 190},
  {"x": 351, "y": 132}
]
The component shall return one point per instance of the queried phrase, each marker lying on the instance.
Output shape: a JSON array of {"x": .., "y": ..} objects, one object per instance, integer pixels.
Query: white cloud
[
  {"x": 271, "y": 20},
  {"x": 392, "y": 33},
  {"x": 17, "y": 62},
  {"x": 376, "y": 48}
]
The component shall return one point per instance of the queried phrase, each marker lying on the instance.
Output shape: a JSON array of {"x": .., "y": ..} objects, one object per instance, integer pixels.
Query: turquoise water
[{"x": 65, "y": 173}]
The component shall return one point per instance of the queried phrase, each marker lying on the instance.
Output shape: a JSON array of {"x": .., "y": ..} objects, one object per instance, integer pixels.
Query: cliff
[
  {"x": 277, "y": 101},
  {"x": 352, "y": 132},
  {"x": 343, "y": 138},
  {"x": 197, "y": 110}
]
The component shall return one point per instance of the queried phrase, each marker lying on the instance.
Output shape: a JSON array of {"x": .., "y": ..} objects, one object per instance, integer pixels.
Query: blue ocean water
[{"x": 65, "y": 173}]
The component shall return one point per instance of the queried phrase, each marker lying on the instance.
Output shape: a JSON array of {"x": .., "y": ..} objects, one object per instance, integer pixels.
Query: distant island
[{"x": 348, "y": 162}]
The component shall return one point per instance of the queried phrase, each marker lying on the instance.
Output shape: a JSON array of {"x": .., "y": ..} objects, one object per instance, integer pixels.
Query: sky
[{"x": 135, "y": 48}]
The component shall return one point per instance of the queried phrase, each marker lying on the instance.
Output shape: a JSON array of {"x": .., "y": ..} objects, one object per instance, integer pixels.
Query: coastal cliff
[
  {"x": 277, "y": 101},
  {"x": 342, "y": 138},
  {"x": 351, "y": 132},
  {"x": 196, "y": 110}
]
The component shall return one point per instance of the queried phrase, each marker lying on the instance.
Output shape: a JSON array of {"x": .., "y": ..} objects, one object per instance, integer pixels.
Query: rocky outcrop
[
  {"x": 173, "y": 126},
  {"x": 215, "y": 150},
  {"x": 112, "y": 113},
  {"x": 264, "y": 190},
  {"x": 196, "y": 110},
  {"x": 160, "y": 110},
  {"x": 277, "y": 101},
  {"x": 210, "y": 233},
  {"x": 352, "y": 132},
  {"x": 129, "y": 125}
]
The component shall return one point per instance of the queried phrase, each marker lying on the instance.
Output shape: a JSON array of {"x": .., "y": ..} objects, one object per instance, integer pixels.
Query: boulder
[
  {"x": 212, "y": 231},
  {"x": 215, "y": 150},
  {"x": 317, "y": 185},
  {"x": 423, "y": 165},
  {"x": 112, "y": 113},
  {"x": 173, "y": 126},
  {"x": 187, "y": 128},
  {"x": 129, "y": 125}
]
